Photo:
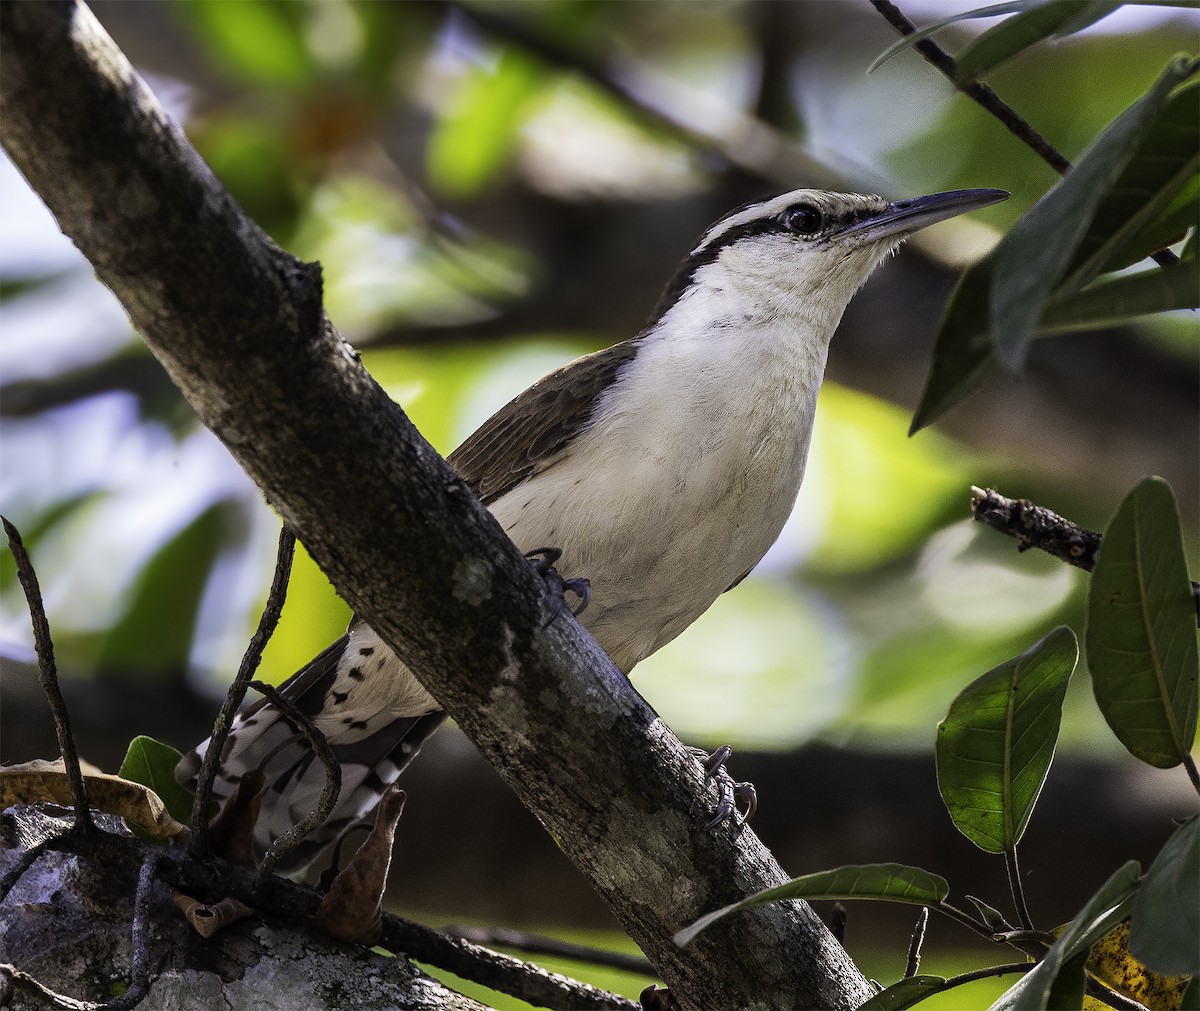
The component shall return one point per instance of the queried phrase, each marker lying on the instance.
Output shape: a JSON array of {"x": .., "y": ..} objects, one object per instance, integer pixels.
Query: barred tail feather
[{"x": 375, "y": 721}]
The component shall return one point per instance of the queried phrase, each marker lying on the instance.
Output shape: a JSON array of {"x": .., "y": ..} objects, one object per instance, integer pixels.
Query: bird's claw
[
  {"x": 730, "y": 794},
  {"x": 543, "y": 564}
]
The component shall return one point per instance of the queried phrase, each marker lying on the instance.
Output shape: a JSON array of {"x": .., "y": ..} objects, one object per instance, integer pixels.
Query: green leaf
[
  {"x": 37, "y": 527},
  {"x": 1165, "y": 933},
  {"x": 995, "y": 745},
  {"x": 1141, "y": 630},
  {"x": 153, "y": 637},
  {"x": 963, "y": 356},
  {"x": 992, "y": 11},
  {"x": 257, "y": 41},
  {"x": 1116, "y": 300},
  {"x": 1191, "y": 996},
  {"x": 1026, "y": 28},
  {"x": 1167, "y": 228},
  {"x": 152, "y": 764},
  {"x": 1068, "y": 988},
  {"x": 1033, "y": 257},
  {"x": 477, "y": 133},
  {"x": 891, "y": 882},
  {"x": 905, "y": 993},
  {"x": 1163, "y": 165},
  {"x": 990, "y": 915},
  {"x": 1057, "y": 980}
]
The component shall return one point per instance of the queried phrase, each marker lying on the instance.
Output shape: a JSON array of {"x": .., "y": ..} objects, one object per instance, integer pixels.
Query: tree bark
[
  {"x": 86, "y": 946},
  {"x": 239, "y": 326}
]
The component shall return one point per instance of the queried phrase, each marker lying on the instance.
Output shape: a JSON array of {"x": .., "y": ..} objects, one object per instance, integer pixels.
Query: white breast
[{"x": 685, "y": 477}]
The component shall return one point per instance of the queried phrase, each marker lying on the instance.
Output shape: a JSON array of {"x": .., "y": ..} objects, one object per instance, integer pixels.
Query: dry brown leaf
[
  {"x": 209, "y": 919},
  {"x": 231, "y": 832},
  {"x": 350, "y": 909},
  {"x": 42, "y": 782}
]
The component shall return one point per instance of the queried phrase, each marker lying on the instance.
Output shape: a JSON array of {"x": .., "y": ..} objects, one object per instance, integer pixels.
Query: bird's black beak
[{"x": 907, "y": 216}]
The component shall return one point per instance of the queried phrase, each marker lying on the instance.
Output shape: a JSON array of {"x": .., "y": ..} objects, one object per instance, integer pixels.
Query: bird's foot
[
  {"x": 730, "y": 794},
  {"x": 543, "y": 564}
]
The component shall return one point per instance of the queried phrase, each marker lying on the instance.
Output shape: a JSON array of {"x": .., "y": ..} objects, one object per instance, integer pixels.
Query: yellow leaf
[{"x": 1111, "y": 963}]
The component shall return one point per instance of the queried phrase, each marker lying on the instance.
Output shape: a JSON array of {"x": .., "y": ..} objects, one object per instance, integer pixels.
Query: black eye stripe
[{"x": 774, "y": 224}]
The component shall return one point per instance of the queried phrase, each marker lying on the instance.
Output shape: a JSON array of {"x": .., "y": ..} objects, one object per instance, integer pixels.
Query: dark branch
[
  {"x": 26, "y": 860},
  {"x": 758, "y": 149},
  {"x": 294, "y": 905},
  {"x": 989, "y": 100},
  {"x": 1035, "y": 526},
  {"x": 139, "y": 973},
  {"x": 992, "y": 970},
  {"x": 294, "y": 836},
  {"x": 530, "y": 982},
  {"x": 399, "y": 535},
  {"x": 535, "y": 944},
  {"x": 48, "y": 675},
  {"x": 975, "y": 90},
  {"x": 237, "y": 691}
]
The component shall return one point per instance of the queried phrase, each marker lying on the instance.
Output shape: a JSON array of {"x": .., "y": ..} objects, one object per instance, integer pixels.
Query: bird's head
[{"x": 808, "y": 250}]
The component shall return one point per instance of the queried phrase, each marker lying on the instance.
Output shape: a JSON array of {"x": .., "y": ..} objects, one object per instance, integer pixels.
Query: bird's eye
[{"x": 803, "y": 219}]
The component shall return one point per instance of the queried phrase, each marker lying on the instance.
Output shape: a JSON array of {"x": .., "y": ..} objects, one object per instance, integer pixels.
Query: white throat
[{"x": 697, "y": 450}]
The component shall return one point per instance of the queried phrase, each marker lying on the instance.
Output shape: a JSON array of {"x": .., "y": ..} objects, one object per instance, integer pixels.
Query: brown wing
[{"x": 527, "y": 432}]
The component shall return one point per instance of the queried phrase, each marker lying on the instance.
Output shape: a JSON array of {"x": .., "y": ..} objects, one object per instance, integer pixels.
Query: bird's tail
[{"x": 262, "y": 738}]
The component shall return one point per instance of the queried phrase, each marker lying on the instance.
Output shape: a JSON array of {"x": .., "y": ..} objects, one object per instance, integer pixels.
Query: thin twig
[
  {"x": 23, "y": 979},
  {"x": 1189, "y": 765},
  {"x": 294, "y": 904},
  {"x": 1018, "y": 890},
  {"x": 1107, "y": 995},
  {"x": 536, "y": 944},
  {"x": 139, "y": 973},
  {"x": 975, "y": 90},
  {"x": 966, "y": 919},
  {"x": 914, "y": 946},
  {"x": 48, "y": 675},
  {"x": 980, "y": 93},
  {"x": 237, "y": 691},
  {"x": 1035, "y": 526},
  {"x": 294, "y": 836},
  {"x": 991, "y": 970},
  {"x": 21, "y": 865},
  {"x": 139, "y": 970},
  {"x": 531, "y": 983},
  {"x": 1032, "y": 942},
  {"x": 755, "y": 147}
]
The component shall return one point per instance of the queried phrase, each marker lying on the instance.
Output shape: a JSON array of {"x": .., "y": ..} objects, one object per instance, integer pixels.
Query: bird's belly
[{"x": 658, "y": 543}]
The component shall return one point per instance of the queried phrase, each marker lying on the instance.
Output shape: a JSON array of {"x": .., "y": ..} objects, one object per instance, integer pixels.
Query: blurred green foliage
[
  {"x": 487, "y": 201},
  {"x": 453, "y": 169}
]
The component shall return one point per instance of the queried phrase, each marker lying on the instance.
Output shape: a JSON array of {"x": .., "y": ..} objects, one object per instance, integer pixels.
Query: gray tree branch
[{"x": 239, "y": 326}]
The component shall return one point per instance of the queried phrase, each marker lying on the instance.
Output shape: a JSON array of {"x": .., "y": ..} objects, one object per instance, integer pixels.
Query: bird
[{"x": 659, "y": 470}]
